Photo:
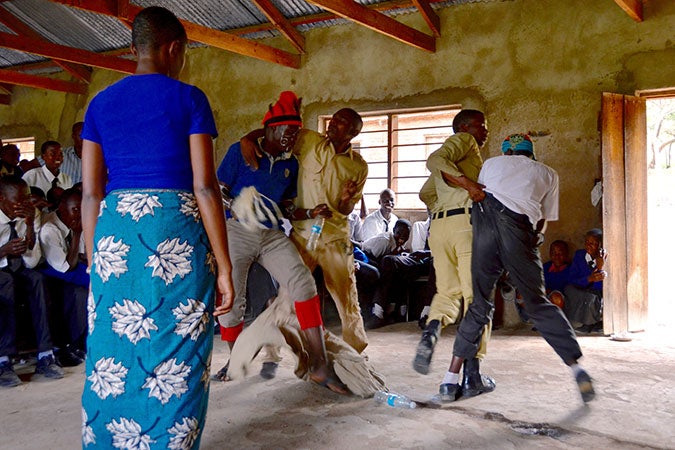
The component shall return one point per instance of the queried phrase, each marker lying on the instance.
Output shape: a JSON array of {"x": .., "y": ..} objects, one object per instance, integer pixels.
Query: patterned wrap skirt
[{"x": 150, "y": 323}]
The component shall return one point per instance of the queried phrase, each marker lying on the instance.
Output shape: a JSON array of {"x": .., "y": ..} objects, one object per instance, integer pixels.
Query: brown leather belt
[{"x": 450, "y": 212}]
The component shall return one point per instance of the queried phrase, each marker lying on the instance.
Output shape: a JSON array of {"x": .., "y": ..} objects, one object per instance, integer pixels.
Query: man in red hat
[
  {"x": 254, "y": 239},
  {"x": 332, "y": 176}
]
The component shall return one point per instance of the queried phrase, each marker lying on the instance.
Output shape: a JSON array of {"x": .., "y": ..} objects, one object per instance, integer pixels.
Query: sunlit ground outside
[{"x": 661, "y": 217}]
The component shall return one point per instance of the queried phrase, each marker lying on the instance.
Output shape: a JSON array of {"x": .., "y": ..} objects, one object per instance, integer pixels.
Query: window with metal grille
[{"x": 396, "y": 145}]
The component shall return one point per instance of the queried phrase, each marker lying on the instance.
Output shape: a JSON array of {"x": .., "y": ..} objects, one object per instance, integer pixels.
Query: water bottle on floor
[
  {"x": 315, "y": 233},
  {"x": 394, "y": 400}
]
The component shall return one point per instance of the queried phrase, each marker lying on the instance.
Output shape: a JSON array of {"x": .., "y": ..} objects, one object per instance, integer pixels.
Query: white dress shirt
[
  {"x": 374, "y": 224},
  {"x": 31, "y": 257},
  {"x": 54, "y": 241},
  {"x": 41, "y": 177}
]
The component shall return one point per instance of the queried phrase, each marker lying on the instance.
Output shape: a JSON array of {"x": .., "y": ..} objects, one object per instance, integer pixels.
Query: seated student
[
  {"x": 583, "y": 294},
  {"x": 9, "y": 161},
  {"x": 557, "y": 272},
  {"x": 397, "y": 267},
  {"x": 383, "y": 219},
  {"x": 63, "y": 249},
  {"x": 19, "y": 254},
  {"x": 49, "y": 175}
]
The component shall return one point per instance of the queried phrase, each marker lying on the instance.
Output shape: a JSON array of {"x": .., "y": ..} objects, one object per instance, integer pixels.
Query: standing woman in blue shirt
[{"x": 155, "y": 234}]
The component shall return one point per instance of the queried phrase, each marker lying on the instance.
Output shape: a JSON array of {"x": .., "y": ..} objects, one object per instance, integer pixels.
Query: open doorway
[{"x": 661, "y": 213}]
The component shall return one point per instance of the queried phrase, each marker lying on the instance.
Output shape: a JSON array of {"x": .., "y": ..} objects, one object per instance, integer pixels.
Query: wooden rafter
[
  {"x": 64, "y": 53},
  {"x": 199, "y": 33},
  {"x": 429, "y": 15},
  {"x": 632, "y": 7},
  {"x": 35, "y": 81},
  {"x": 379, "y": 22},
  {"x": 281, "y": 23},
  {"x": 20, "y": 28}
]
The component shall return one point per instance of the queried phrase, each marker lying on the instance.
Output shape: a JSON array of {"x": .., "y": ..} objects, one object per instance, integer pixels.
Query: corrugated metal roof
[{"x": 82, "y": 29}]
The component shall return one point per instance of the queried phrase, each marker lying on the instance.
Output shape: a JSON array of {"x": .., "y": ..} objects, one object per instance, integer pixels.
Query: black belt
[{"x": 450, "y": 212}]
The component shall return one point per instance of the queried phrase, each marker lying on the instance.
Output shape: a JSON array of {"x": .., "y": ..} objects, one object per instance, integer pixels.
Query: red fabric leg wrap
[
  {"x": 230, "y": 334},
  {"x": 309, "y": 313}
]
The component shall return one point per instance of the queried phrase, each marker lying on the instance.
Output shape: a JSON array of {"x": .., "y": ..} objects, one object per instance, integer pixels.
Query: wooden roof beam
[
  {"x": 632, "y": 7},
  {"x": 20, "y": 28},
  {"x": 429, "y": 15},
  {"x": 35, "y": 81},
  {"x": 199, "y": 33},
  {"x": 281, "y": 23},
  {"x": 64, "y": 53},
  {"x": 379, "y": 22}
]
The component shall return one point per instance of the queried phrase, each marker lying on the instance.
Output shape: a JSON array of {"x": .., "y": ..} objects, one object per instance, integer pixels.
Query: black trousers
[
  {"x": 28, "y": 284},
  {"x": 396, "y": 271},
  {"x": 505, "y": 240}
]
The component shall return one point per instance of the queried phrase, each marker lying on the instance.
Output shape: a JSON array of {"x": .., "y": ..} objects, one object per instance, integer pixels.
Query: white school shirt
[
  {"x": 41, "y": 177},
  {"x": 53, "y": 239},
  {"x": 31, "y": 257},
  {"x": 373, "y": 224}
]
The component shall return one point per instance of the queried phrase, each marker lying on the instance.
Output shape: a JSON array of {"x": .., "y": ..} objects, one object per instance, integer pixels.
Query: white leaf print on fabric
[
  {"x": 88, "y": 436},
  {"x": 167, "y": 380},
  {"x": 103, "y": 205},
  {"x": 171, "y": 258},
  {"x": 137, "y": 205},
  {"x": 109, "y": 257},
  {"x": 184, "y": 434},
  {"x": 192, "y": 318},
  {"x": 107, "y": 378},
  {"x": 130, "y": 320},
  {"x": 91, "y": 311},
  {"x": 127, "y": 435},
  {"x": 189, "y": 205}
]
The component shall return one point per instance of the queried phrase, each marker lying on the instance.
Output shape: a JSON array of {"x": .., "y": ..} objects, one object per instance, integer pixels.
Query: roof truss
[{"x": 632, "y": 7}]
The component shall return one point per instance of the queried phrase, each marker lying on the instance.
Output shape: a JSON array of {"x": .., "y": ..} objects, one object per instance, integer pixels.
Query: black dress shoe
[
  {"x": 77, "y": 352},
  {"x": 269, "y": 370},
  {"x": 585, "y": 384},
  {"x": 473, "y": 383},
  {"x": 425, "y": 349},
  {"x": 449, "y": 392},
  {"x": 67, "y": 358}
]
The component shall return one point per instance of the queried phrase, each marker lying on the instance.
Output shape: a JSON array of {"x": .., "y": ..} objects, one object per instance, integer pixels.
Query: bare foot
[{"x": 327, "y": 378}]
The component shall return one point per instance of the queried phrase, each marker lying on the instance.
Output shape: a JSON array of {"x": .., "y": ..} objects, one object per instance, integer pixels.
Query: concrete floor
[{"x": 536, "y": 404}]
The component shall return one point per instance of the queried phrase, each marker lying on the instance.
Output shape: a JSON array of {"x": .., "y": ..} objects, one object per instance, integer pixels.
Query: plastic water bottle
[
  {"x": 394, "y": 400},
  {"x": 315, "y": 233}
]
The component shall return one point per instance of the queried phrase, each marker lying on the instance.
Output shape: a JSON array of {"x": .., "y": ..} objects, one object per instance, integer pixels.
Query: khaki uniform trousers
[
  {"x": 336, "y": 259},
  {"x": 450, "y": 241}
]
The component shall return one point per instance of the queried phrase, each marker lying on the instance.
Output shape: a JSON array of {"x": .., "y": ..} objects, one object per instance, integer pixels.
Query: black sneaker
[
  {"x": 585, "y": 383},
  {"x": 8, "y": 378},
  {"x": 269, "y": 370},
  {"x": 48, "y": 367},
  {"x": 449, "y": 392}
]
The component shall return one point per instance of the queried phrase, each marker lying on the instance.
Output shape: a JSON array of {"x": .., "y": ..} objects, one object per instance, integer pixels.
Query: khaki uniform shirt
[
  {"x": 320, "y": 180},
  {"x": 459, "y": 155}
]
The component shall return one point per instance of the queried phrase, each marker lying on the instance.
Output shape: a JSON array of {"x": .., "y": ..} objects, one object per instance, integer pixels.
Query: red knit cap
[{"x": 286, "y": 111}]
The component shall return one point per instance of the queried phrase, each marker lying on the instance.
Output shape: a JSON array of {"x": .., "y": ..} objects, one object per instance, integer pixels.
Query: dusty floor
[{"x": 635, "y": 406}]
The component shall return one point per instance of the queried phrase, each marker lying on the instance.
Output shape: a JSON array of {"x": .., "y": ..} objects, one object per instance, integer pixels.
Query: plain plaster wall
[{"x": 531, "y": 65}]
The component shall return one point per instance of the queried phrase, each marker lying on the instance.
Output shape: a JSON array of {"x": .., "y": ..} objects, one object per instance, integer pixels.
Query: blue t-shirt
[
  {"x": 276, "y": 180},
  {"x": 143, "y": 124}
]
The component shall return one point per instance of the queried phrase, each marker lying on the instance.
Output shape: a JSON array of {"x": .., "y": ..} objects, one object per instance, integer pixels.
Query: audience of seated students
[
  {"x": 65, "y": 265},
  {"x": 49, "y": 175},
  {"x": 397, "y": 268},
  {"x": 19, "y": 255},
  {"x": 9, "y": 161},
  {"x": 583, "y": 295},
  {"x": 382, "y": 220}
]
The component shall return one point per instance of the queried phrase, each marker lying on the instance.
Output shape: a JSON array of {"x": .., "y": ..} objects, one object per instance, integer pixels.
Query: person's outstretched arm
[{"x": 209, "y": 200}]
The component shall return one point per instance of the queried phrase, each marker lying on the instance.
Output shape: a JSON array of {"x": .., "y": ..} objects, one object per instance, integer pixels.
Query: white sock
[
  {"x": 4, "y": 359},
  {"x": 425, "y": 311},
  {"x": 45, "y": 354},
  {"x": 451, "y": 378},
  {"x": 378, "y": 311},
  {"x": 576, "y": 368}
]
